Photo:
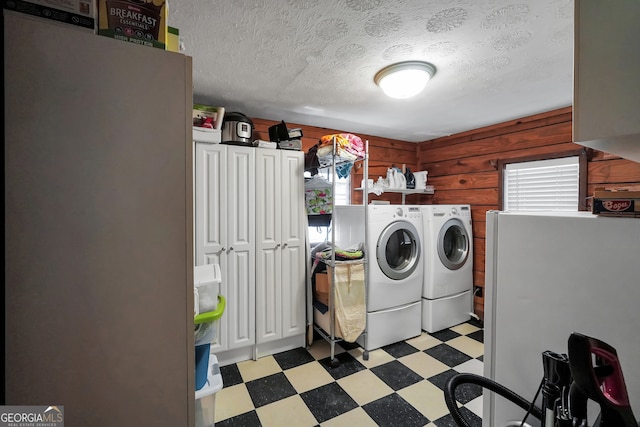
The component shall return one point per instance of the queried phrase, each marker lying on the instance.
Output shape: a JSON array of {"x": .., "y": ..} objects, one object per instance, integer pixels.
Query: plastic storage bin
[
  {"x": 207, "y": 324},
  {"x": 207, "y": 279},
  {"x": 206, "y": 396},
  {"x": 202, "y": 365}
]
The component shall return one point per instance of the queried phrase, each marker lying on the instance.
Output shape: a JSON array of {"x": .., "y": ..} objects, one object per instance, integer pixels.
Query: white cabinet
[
  {"x": 606, "y": 103},
  {"x": 225, "y": 234},
  {"x": 280, "y": 250},
  {"x": 249, "y": 219}
]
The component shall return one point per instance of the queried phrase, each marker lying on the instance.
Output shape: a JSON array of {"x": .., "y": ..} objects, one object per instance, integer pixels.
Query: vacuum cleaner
[{"x": 591, "y": 371}]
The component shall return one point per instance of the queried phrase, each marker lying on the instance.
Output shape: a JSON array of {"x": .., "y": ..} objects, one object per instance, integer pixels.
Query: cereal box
[{"x": 136, "y": 21}]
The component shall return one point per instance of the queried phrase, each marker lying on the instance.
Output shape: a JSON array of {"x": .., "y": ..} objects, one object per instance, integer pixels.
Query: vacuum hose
[{"x": 456, "y": 380}]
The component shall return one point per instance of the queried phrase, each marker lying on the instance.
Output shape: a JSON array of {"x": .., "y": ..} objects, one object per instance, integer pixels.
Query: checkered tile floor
[{"x": 400, "y": 385}]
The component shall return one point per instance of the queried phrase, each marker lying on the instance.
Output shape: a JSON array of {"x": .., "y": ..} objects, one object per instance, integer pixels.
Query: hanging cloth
[
  {"x": 311, "y": 162},
  {"x": 350, "y": 307}
]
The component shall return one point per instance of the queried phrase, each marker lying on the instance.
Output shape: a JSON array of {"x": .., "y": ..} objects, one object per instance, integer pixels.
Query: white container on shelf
[
  {"x": 206, "y": 396},
  {"x": 421, "y": 179},
  {"x": 212, "y": 136},
  {"x": 207, "y": 279}
]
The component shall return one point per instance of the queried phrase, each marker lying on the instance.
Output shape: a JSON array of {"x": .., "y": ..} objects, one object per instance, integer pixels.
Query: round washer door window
[
  {"x": 453, "y": 244},
  {"x": 398, "y": 250}
]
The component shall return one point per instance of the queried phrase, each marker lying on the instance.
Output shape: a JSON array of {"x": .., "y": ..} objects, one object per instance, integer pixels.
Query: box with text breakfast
[
  {"x": 136, "y": 21},
  {"x": 81, "y": 13},
  {"x": 616, "y": 202}
]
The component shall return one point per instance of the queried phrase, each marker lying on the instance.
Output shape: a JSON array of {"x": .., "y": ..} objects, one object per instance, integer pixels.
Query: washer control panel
[
  {"x": 408, "y": 212},
  {"x": 463, "y": 211}
]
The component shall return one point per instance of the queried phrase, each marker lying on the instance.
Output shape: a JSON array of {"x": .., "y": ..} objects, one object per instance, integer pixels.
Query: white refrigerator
[
  {"x": 548, "y": 275},
  {"x": 98, "y": 227}
]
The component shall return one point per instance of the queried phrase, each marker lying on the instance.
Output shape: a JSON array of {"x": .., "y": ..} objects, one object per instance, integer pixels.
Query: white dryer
[
  {"x": 395, "y": 268},
  {"x": 448, "y": 268}
]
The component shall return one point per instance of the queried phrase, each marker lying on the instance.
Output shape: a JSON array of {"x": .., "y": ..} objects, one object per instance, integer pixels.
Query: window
[
  {"x": 550, "y": 184},
  {"x": 342, "y": 196}
]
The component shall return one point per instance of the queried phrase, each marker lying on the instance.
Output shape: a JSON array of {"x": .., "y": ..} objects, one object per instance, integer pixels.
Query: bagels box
[
  {"x": 141, "y": 22},
  {"x": 616, "y": 202}
]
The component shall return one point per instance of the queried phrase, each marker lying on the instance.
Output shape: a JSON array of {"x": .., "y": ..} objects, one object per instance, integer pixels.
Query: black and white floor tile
[{"x": 400, "y": 385}]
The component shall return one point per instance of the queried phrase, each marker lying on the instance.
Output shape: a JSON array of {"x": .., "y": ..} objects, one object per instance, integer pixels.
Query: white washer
[
  {"x": 396, "y": 264},
  {"x": 395, "y": 268},
  {"x": 448, "y": 268}
]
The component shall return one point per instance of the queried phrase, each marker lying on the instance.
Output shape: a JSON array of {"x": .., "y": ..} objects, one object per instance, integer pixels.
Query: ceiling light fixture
[{"x": 404, "y": 79}]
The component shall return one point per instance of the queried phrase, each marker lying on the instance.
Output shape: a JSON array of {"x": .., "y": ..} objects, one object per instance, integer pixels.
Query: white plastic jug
[
  {"x": 421, "y": 180},
  {"x": 391, "y": 177},
  {"x": 401, "y": 180}
]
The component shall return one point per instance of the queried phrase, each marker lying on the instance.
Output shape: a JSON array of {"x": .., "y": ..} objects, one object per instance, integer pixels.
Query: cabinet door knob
[
  {"x": 278, "y": 245},
  {"x": 231, "y": 248},
  {"x": 285, "y": 245}
]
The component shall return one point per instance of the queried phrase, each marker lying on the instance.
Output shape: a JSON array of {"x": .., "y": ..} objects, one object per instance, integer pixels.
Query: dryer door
[
  {"x": 398, "y": 250},
  {"x": 453, "y": 244}
]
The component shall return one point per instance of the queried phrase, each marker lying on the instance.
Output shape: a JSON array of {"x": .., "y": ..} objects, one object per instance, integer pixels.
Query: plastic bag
[{"x": 317, "y": 183}]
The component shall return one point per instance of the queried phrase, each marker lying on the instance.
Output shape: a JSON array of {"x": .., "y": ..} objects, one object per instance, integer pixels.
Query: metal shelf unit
[{"x": 330, "y": 335}]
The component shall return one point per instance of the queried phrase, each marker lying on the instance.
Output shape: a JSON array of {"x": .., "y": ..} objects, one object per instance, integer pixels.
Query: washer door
[
  {"x": 398, "y": 250},
  {"x": 453, "y": 244}
]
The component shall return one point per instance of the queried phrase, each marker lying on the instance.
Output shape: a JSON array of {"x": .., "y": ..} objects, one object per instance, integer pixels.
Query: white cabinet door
[
  {"x": 606, "y": 101},
  {"x": 280, "y": 263},
  {"x": 269, "y": 189},
  {"x": 211, "y": 215},
  {"x": 293, "y": 244},
  {"x": 210, "y": 201},
  {"x": 240, "y": 247},
  {"x": 225, "y": 230}
]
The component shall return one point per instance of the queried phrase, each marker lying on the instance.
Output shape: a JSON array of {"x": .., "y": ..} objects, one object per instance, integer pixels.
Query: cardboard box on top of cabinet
[
  {"x": 173, "y": 39},
  {"x": 616, "y": 202},
  {"x": 136, "y": 21},
  {"x": 80, "y": 13}
]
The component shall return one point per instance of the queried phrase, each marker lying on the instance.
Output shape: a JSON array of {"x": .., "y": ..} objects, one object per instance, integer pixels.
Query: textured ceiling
[{"x": 312, "y": 61}]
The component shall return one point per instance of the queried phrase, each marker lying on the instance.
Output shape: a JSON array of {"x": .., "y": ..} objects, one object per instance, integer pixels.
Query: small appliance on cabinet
[{"x": 237, "y": 129}]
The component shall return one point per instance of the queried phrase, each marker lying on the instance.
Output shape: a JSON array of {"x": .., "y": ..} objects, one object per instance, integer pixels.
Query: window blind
[{"x": 542, "y": 185}]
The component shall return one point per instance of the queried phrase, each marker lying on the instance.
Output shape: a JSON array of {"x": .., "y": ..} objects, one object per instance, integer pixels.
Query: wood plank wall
[{"x": 463, "y": 169}]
